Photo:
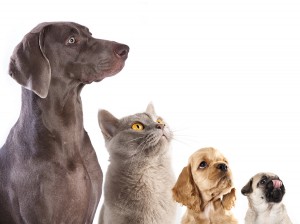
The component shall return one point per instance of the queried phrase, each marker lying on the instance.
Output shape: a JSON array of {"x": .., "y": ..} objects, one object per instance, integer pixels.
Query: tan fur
[
  {"x": 260, "y": 211},
  {"x": 207, "y": 192}
]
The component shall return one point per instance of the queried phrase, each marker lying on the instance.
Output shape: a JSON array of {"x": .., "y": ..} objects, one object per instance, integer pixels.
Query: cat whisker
[
  {"x": 176, "y": 133},
  {"x": 149, "y": 139},
  {"x": 133, "y": 139},
  {"x": 141, "y": 144},
  {"x": 146, "y": 142},
  {"x": 187, "y": 137},
  {"x": 182, "y": 142}
]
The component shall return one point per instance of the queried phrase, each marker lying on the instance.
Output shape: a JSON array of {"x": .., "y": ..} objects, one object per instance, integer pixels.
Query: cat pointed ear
[
  {"x": 150, "y": 109},
  {"x": 108, "y": 124}
]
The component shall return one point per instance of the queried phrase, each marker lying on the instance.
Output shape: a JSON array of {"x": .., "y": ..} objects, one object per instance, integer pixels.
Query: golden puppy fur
[{"x": 205, "y": 186}]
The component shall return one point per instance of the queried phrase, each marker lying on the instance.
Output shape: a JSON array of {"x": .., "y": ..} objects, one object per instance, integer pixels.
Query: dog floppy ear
[
  {"x": 247, "y": 189},
  {"x": 229, "y": 199},
  {"x": 28, "y": 64},
  {"x": 185, "y": 190}
]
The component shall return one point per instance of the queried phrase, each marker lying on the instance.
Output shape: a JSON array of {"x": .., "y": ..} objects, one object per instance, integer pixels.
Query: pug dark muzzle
[{"x": 274, "y": 190}]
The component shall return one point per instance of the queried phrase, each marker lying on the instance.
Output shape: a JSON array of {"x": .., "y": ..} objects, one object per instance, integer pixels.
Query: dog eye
[
  {"x": 202, "y": 165},
  {"x": 71, "y": 40},
  {"x": 262, "y": 181},
  {"x": 137, "y": 126}
]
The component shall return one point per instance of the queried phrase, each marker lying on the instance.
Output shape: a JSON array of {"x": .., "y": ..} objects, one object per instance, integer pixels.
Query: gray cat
[{"x": 139, "y": 179}]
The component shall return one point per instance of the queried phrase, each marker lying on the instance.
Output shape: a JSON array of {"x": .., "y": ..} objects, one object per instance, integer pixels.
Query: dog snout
[
  {"x": 222, "y": 167},
  {"x": 121, "y": 50},
  {"x": 274, "y": 183}
]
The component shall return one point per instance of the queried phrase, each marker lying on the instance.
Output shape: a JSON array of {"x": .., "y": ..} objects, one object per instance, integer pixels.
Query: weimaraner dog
[{"x": 49, "y": 172}]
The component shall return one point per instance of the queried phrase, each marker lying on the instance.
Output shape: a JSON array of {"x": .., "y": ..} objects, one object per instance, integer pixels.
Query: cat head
[{"x": 141, "y": 134}]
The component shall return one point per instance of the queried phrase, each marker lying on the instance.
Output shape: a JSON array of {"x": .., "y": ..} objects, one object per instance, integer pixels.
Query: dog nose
[
  {"x": 160, "y": 126},
  {"x": 222, "y": 166},
  {"x": 122, "y": 51}
]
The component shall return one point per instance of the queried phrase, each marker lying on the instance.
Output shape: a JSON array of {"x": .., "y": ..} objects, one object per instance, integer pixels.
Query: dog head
[
  {"x": 207, "y": 178},
  {"x": 264, "y": 188},
  {"x": 56, "y": 50}
]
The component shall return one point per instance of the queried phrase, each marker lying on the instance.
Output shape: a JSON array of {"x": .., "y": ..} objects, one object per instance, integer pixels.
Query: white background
[{"x": 221, "y": 73}]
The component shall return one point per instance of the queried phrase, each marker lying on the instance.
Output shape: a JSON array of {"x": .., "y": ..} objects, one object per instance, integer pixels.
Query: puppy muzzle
[{"x": 275, "y": 191}]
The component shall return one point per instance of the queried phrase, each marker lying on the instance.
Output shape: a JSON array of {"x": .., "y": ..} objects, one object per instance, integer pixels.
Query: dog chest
[{"x": 55, "y": 192}]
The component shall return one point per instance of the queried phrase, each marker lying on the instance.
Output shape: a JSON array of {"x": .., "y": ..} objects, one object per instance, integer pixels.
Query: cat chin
[{"x": 161, "y": 147}]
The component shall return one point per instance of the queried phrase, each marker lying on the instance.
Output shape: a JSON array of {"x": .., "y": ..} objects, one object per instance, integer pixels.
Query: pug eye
[
  {"x": 202, "y": 165},
  {"x": 263, "y": 182},
  {"x": 137, "y": 126},
  {"x": 71, "y": 40}
]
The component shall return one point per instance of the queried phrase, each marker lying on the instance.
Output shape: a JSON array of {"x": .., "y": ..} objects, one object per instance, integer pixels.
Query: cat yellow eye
[
  {"x": 160, "y": 121},
  {"x": 137, "y": 126}
]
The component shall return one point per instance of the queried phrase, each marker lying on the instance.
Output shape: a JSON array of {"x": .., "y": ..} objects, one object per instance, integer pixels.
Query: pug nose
[
  {"x": 222, "y": 167},
  {"x": 160, "y": 126}
]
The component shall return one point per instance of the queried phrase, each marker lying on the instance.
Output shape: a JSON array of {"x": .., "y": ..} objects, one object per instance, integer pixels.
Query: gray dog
[{"x": 49, "y": 172}]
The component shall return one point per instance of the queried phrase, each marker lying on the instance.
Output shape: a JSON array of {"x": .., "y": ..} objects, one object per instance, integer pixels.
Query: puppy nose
[
  {"x": 222, "y": 166},
  {"x": 160, "y": 126},
  {"x": 122, "y": 51}
]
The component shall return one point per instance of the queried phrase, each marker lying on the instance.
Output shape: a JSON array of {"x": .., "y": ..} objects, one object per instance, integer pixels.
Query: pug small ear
[
  {"x": 150, "y": 109},
  {"x": 108, "y": 124},
  {"x": 247, "y": 189}
]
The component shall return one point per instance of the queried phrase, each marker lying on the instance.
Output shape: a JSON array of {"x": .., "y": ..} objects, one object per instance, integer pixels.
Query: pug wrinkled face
[
  {"x": 265, "y": 186},
  {"x": 211, "y": 172}
]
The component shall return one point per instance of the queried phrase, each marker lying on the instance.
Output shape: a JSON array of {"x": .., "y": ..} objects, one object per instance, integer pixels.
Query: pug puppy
[{"x": 265, "y": 192}]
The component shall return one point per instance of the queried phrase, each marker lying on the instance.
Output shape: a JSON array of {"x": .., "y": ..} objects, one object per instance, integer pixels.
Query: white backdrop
[{"x": 221, "y": 73}]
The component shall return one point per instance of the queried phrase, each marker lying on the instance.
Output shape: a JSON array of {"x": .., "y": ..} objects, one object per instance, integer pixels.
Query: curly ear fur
[
  {"x": 229, "y": 199},
  {"x": 28, "y": 64},
  {"x": 185, "y": 190}
]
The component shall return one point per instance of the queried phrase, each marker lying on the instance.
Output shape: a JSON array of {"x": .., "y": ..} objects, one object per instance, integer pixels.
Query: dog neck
[
  {"x": 266, "y": 211},
  {"x": 212, "y": 213},
  {"x": 56, "y": 118}
]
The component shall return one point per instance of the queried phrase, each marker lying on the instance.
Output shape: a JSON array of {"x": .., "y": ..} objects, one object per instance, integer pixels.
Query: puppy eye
[
  {"x": 137, "y": 126},
  {"x": 71, "y": 40},
  {"x": 203, "y": 165},
  {"x": 262, "y": 181}
]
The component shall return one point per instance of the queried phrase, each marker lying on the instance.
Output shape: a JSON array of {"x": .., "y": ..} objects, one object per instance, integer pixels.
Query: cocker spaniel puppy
[{"x": 205, "y": 186}]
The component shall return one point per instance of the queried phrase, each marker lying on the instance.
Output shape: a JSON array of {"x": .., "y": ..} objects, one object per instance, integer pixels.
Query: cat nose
[{"x": 160, "y": 126}]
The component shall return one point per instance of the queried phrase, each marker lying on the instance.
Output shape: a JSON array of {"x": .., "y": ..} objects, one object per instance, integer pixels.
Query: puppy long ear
[
  {"x": 229, "y": 199},
  {"x": 185, "y": 190},
  {"x": 28, "y": 64},
  {"x": 247, "y": 189}
]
